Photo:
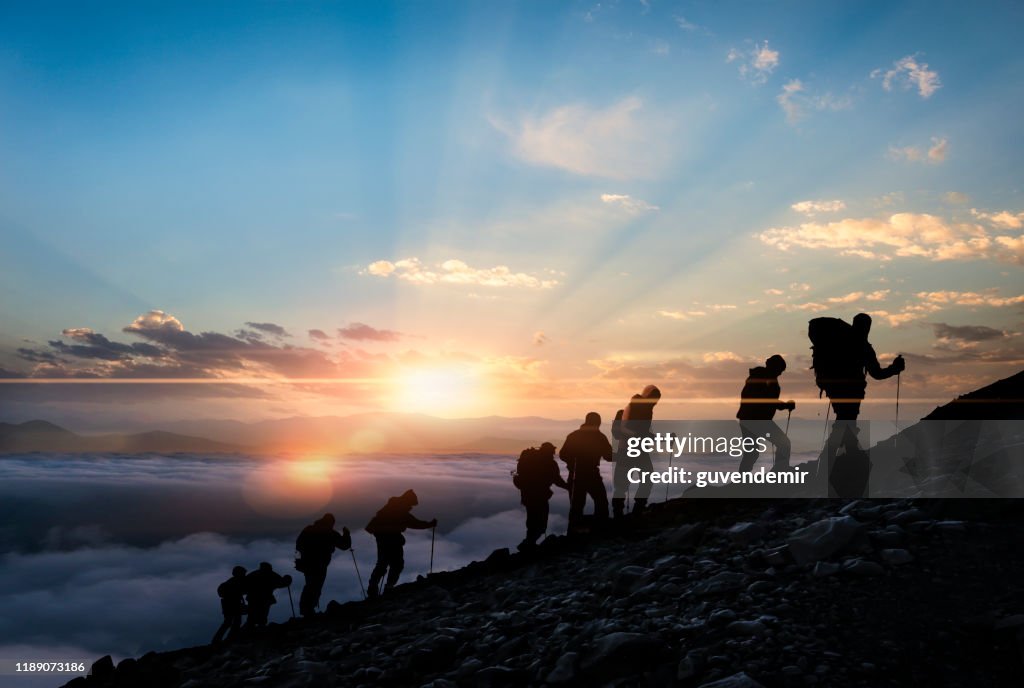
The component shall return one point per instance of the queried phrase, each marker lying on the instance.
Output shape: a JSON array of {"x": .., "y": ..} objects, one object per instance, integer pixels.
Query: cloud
[
  {"x": 934, "y": 155},
  {"x": 956, "y": 197},
  {"x": 811, "y": 208},
  {"x": 319, "y": 335},
  {"x": 1003, "y": 219},
  {"x": 457, "y": 272},
  {"x": 362, "y": 331},
  {"x": 966, "y": 333},
  {"x": 901, "y": 235},
  {"x": 539, "y": 338},
  {"x": 685, "y": 25},
  {"x": 622, "y": 141},
  {"x": 681, "y": 315},
  {"x": 796, "y": 101},
  {"x": 969, "y": 298},
  {"x": 907, "y": 73},
  {"x": 269, "y": 328},
  {"x": 628, "y": 203},
  {"x": 720, "y": 356},
  {"x": 774, "y": 292},
  {"x": 756, "y": 64}
]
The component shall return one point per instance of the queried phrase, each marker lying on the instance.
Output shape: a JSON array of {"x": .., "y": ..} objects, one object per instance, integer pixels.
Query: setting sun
[{"x": 438, "y": 391}]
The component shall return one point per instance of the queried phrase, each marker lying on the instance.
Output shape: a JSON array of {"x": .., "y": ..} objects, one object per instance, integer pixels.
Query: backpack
[
  {"x": 526, "y": 468},
  {"x": 835, "y": 354}
]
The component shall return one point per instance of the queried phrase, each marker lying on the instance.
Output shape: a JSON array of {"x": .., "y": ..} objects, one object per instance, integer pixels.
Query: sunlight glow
[
  {"x": 438, "y": 391},
  {"x": 294, "y": 487}
]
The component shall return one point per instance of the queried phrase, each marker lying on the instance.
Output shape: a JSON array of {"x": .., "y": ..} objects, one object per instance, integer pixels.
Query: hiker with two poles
[
  {"x": 315, "y": 546},
  {"x": 387, "y": 527}
]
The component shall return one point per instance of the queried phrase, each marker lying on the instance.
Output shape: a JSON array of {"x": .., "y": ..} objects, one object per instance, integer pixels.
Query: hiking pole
[
  {"x": 352, "y": 551},
  {"x": 433, "y": 532},
  {"x": 290, "y": 603},
  {"x": 898, "y": 376},
  {"x": 824, "y": 435},
  {"x": 670, "y": 474},
  {"x": 789, "y": 414}
]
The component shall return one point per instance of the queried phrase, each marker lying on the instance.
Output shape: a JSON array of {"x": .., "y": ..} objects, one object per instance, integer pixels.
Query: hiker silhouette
[
  {"x": 536, "y": 471},
  {"x": 260, "y": 586},
  {"x": 387, "y": 527},
  {"x": 582, "y": 452},
  {"x": 842, "y": 358},
  {"x": 315, "y": 545},
  {"x": 633, "y": 421},
  {"x": 759, "y": 400},
  {"x": 232, "y": 605}
]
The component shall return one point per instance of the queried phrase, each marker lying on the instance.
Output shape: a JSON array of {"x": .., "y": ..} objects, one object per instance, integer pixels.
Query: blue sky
[{"x": 619, "y": 185}]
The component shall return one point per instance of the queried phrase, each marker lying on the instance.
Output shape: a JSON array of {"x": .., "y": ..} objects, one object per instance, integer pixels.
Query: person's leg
[
  {"x": 578, "y": 500},
  {"x": 782, "y": 445},
  {"x": 643, "y": 489},
  {"x": 396, "y": 562},
  {"x": 310, "y": 598},
  {"x": 536, "y": 519},
  {"x": 379, "y": 569},
  {"x": 620, "y": 484},
  {"x": 219, "y": 635},
  {"x": 596, "y": 490},
  {"x": 750, "y": 430}
]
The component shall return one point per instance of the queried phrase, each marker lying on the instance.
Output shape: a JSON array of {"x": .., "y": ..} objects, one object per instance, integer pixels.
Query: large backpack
[
  {"x": 526, "y": 472},
  {"x": 835, "y": 354}
]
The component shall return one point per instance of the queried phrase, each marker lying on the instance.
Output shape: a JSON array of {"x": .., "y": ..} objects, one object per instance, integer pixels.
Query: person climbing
[
  {"x": 759, "y": 401},
  {"x": 582, "y": 452},
  {"x": 842, "y": 358},
  {"x": 634, "y": 421},
  {"x": 260, "y": 586},
  {"x": 387, "y": 527},
  {"x": 232, "y": 605},
  {"x": 536, "y": 471},
  {"x": 315, "y": 545}
]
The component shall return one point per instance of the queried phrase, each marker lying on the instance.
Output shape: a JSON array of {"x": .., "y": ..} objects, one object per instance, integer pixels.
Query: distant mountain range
[
  {"x": 398, "y": 432},
  {"x": 41, "y": 436}
]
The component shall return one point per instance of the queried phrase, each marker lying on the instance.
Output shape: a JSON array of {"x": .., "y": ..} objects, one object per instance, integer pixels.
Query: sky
[{"x": 471, "y": 209}]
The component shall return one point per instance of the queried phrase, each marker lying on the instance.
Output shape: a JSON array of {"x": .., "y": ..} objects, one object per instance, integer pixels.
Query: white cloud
[
  {"x": 1004, "y": 219},
  {"x": 969, "y": 298},
  {"x": 625, "y": 140},
  {"x": 681, "y": 315},
  {"x": 937, "y": 151},
  {"x": 721, "y": 356},
  {"x": 756, "y": 64},
  {"x": 901, "y": 235},
  {"x": 796, "y": 101},
  {"x": 628, "y": 203},
  {"x": 773, "y": 292},
  {"x": 685, "y": 25},
  {"x": 456, "y": 272},
  {"x": 908, "y": 72},
  {"x": 155, "y": 320},
  {"x": 539, "y": 338},
  {"x": 813, "y": 207},
  {"x": 956, "y": 197}
]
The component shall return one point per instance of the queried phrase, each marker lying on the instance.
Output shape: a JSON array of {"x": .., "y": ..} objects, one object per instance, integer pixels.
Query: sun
[{"x": 437, "y": 391}]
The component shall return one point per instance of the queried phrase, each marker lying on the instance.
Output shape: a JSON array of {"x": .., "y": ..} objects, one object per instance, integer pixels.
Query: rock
[
  {"x": 618, "y": 654},
  {"x": 687, "y": 668},
  {"x": 631, "y": 577},
  {"x": 777, "y": 556},
  {"x": 740, "y": 680},
  {"x": 724, "y": 581},
  {"x": 746, "y": 628},
  {"x": 721, "y": 617},
  {"x": 745, "y": 533},
  {"x": 565, "y": 670},
  {"x": 498, "y": 676},
  {"x": 909, "y": 516},
  {"x": 684, "y": 536},
  {"x": 896, "y": 557},
  {"x": 862, "y": 567},
  {"x": 102, "y": 667},
  {"x": 825, "y": 568},
  {"x": 759, "y": 587},
  {"x": 822, "y": 539}
]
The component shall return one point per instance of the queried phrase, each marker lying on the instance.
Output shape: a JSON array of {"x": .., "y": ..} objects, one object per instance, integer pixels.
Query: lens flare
[{"x": 289, "y": 488}]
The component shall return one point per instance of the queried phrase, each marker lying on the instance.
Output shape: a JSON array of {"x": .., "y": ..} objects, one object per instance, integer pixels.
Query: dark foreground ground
[{"x": 702, "y": 592}]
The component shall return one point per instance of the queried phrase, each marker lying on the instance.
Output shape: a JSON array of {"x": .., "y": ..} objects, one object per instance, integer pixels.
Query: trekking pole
[
  {"x": 670, "y": 475},
  {"x": 824, "y": 436},
  {"x": 352, "y": 551},
  {"x": 290, "y": 603},
  {"x": 898, "y": 375},
  {"x": 433, "y": 532},
  {"x": 789, "y": 414}
]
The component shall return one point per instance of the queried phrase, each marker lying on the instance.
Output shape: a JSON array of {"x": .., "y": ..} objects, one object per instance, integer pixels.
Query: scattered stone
[
  {"x": 896, "y": 557},
  {"x": 740, "y": 680},
  {"x": 745, "y": 533},
  {"x": 822, "y": 539},
  {"x": 862, "y": 567},
  {"x": 565, "y": 670}
]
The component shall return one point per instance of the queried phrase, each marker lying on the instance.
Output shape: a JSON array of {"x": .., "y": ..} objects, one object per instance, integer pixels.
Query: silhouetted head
[
  {"x": 651, "y": 392},
  {"x": 409, "y": 497},
  {"x": 238, "y": 571},
  {"x": 593, "y": 419},
  {"x": 547, "y": 449},
  {"x": 327, "y": 520},
  {"x": 265, "y": 566},
  {"x": 776, "y": 365},
  {"x": 862, "y": 324}
]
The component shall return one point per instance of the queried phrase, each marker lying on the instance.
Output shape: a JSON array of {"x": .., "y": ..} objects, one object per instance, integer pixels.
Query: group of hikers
[{"x": 842, "y": 358}]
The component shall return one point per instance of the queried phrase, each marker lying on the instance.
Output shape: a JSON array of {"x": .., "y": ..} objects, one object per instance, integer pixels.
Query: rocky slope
[{"x": 697, "y": 593}]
